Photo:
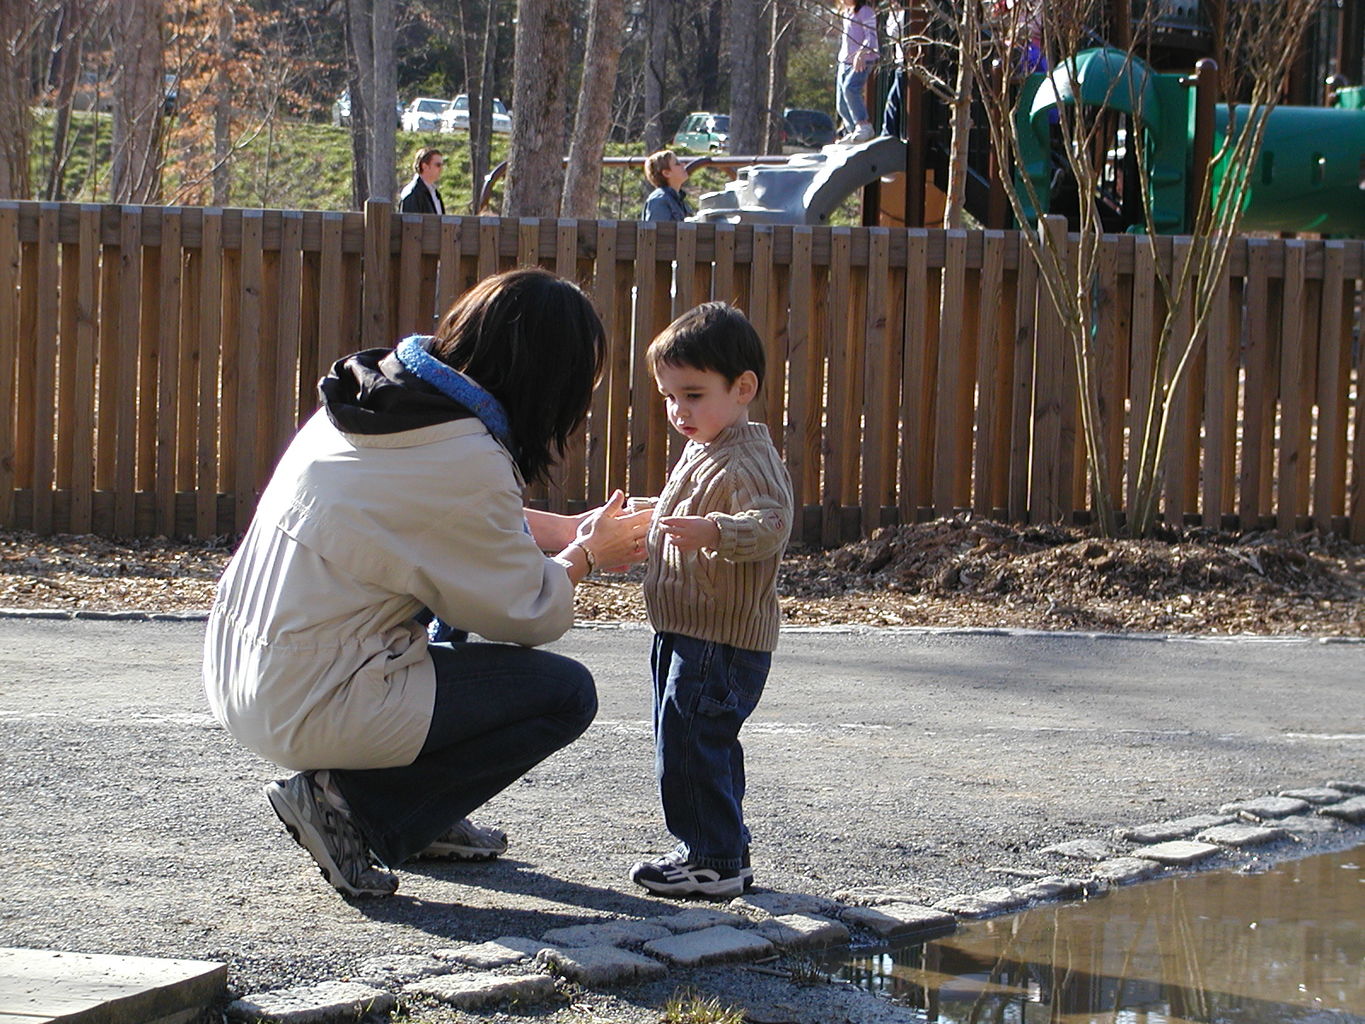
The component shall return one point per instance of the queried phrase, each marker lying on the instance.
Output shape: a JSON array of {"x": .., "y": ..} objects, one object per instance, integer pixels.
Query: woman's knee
[{"x": 577, "y": 687}]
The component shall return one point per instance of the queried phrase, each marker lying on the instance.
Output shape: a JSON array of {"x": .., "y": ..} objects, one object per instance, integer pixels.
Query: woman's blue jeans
[
  {"x": 500, "y": 710},
  {"x": 852, "y": 106},
  {"x": 703, "y": 692}
]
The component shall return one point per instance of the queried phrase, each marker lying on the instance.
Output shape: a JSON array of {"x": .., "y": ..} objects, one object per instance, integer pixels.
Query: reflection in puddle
[{"x": 1286, "y": 945}]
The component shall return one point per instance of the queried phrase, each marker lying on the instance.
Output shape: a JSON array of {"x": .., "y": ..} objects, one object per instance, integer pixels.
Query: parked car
[
  {"x": 341, "y": 110},
  {"x": 810, "y": 128},
  {"x": 424, "y": 114},
  {"x": 704, "y": 131},
  {"x": 456, "y": 116}
]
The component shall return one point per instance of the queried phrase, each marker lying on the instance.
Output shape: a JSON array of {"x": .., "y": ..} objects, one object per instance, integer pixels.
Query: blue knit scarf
[{"x": 412, "y": 353}]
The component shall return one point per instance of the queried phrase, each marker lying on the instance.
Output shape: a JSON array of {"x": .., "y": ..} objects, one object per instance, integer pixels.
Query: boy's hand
[{"x": 688, "y": 533}]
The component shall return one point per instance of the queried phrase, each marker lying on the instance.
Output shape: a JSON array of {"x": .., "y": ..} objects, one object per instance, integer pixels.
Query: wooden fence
[{"x": 154, "y": 362}]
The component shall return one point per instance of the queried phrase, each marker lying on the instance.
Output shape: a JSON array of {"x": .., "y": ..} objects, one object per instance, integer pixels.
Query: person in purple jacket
[{"x": 858, "y": 50}]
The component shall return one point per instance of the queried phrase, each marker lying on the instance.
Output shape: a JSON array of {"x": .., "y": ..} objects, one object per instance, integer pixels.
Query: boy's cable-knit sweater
[{"x": 728, "y": 595}]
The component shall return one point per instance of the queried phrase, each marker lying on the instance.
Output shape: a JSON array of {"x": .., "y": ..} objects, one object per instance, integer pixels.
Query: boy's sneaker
[
  {"x": 466, "y": 841},
  {"x": 674, "y": 875},
  {"x": 863, "y": 133},
  {"x": 329, "y": 836}
]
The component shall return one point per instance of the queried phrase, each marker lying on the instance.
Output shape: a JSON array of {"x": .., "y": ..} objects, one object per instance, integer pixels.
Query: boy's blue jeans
[
  {"x": 500, "y": 710},
  {"x": 703, "y": 692}
]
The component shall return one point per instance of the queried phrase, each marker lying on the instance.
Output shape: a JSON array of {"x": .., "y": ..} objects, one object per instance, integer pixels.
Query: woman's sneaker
[
  {"x": 330, "y": 837},
  {"x": 466, "y": 841},
  {"x": 674, "y": 875}
]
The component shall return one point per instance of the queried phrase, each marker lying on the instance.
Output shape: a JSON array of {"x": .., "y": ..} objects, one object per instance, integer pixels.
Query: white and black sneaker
[
  {"x": 330, "y": 837},
  {"x": 674, "y": 875},
  {"x": 466, "y": 841}
]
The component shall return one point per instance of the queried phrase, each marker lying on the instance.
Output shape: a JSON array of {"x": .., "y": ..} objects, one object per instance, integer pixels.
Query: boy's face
[{"x": 701, "y": 403}]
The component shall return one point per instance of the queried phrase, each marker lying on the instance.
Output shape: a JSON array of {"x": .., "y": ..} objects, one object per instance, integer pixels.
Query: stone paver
[
  {"x": 1179, "y": 828},
  {"x": 802, "y": 931},
  {"x": 312, "y": 1004},
  {"x": 600, "y": 966},
  {"x": 1240, "y": 835},
  {"x": 607, "y": 933},
  {"x": 500, "y": 952},
  {"x": 1121, "y": 870},
  {"x": 694, "y": 919},
  {"x": 1266, "y": 807},
  {"x": 715, "y": 945},
  {"x": 986, "y": 903},
  {"x": 1178, "y": 852},
  {"x": 398, "y": 969},
  {"x": 1307, "y": 824},
  {"x": 881, "y": 895},
  {"x": 779, "y": 903},
  {"x": 1347, "y": 785},
  {"x": 898, "y": 919},
  {"x": 1314, "y": 794},
  {"x": 1081, "y": 849},
  {"x": 475, "y": 991},
  {"x": 1352, "y": 810},
  {"x": 1053, "y": 887}
]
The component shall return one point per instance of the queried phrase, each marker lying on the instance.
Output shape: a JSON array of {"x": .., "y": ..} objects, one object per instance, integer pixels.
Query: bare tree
[
  {"x": 139, "y": 95},
  {"x": 19, "y": 24},
  {"x": 479, "y": 41},
  {"x": 780, "y": 22},
  {"x": 746, "y": 95},
  {"x": 656, "y": 73},
  {"x": 592, "y": 120},
  {"x": 541, "y": 62},
  {"x": 1260, "y": 45},
  {"x": 371, "y": 35}
]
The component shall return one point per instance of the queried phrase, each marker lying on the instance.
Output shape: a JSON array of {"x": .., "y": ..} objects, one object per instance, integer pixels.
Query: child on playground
[{"x": 718, "y": 533}]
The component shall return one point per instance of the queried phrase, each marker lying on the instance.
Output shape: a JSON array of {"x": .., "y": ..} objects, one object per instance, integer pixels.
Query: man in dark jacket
[{"x": 420, "y": 194}]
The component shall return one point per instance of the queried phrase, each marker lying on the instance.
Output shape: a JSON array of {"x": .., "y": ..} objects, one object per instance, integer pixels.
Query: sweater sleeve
[{"x": 763, "y": 520}]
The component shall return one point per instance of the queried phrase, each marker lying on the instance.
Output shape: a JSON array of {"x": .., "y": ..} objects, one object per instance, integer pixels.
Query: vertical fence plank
[
  {"x": 881, "y": 376},
  {"x": 990, "y": 417},
  {"x": 169, "y": 272},
  {"x": 802, "y": 359},
  {"x": 839, "y": 414},
  {"x": 1142, "y": 357},
  {"x": 1296, "y": 395},
  {"x": 126, "y": 359},
  {"x": 723, "y": 269},
  {"x": 229, "y": 371},
  {"x": 9, "y": 313},
  {"x": 289, "y": 332},
  {"x": 763, "y": 307},
  {"x": 917, "y": 387},
  {"x": 604, "y": 285},
  {"x": 448, "y": 276},
  {"x": 1050, "y": 480},
  {"x": 88, "y": 327},
  {"x": 953, "y": 419},
  {"x": 375, "y": 331},
  {"x": 487, "y": 264},
  {"x": 1113, "y": 358},
  {"x": 25, "y": 396},
  {"x": 1333, "y": 386},
  {"x": 210, "y": 302},
  {"x": 187, "y": 459},
  {"x": 1021, "y": 412},
  {"x": 248, "y": 355},
  {"x": 566, "y": 478},
  {"x": 1255, "y": 428},
  {"x": 1183, "y": 438},
  {"x": 43, "y": 369},
  {"x": 68, "y": 316},
  {"x": 1220, "y": 408},
  {"x": 412, "y": 317},
  {"x": 642, "y": 384},
  {"x": 331, "y": 304}
]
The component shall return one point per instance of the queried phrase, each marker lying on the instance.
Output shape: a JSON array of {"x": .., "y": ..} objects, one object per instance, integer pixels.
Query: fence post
[{"x": 374, "y": 306}]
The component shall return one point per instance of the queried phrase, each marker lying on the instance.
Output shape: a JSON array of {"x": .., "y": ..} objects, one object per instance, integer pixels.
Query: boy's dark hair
[
  {"x": 535, "y": 342},
  {"x": 713, "y": 336}
]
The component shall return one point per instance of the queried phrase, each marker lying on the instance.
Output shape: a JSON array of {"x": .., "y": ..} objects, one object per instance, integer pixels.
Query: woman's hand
[
  {"x": 615, "y": 537},
  {"x": 689, "y": 533}
]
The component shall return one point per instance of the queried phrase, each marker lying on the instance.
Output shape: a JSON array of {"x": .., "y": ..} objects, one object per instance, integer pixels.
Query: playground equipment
[
  {"x": 807, "y": 189},
  {"x": 1310, "y": 175}
]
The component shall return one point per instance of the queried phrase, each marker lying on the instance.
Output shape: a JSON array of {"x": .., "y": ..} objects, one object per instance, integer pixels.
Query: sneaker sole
[
  {"x": 307, "y": 837},
  {"x": 720, "y": 889},
  {"x": 451, "y": 851}
]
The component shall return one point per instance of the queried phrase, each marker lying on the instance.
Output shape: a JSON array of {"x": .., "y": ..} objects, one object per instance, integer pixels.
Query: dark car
[{"x": 812, "y": 128}]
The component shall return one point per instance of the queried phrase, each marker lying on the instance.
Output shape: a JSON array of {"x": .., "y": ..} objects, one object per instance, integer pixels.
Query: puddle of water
[{"x": 1287, "y": 945}]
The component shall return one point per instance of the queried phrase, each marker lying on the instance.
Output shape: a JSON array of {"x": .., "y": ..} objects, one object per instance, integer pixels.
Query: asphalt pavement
[{"x": 134, "y": 825}]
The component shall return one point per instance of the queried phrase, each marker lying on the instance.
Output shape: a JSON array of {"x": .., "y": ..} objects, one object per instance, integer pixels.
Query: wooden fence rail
[{"x": 155, "y": 360}]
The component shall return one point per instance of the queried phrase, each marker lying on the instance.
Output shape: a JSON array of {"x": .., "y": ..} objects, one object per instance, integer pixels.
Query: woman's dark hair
[{"x": 534, "y": 341}]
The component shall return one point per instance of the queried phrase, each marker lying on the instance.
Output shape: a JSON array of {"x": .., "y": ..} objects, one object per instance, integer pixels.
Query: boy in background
[{"x": 719, "y": 529}]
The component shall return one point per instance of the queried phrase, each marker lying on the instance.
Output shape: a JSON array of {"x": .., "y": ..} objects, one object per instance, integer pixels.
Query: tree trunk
[
  {"x": 360, "y": 36},
  {"x": 138, "y": 92},
  {"x": 222, "y": 110},
  {"x": 746, "y": 97},
  {"x": 656, "y": 73},
  {"x": 383, "y": 123},
  {"x": 592, "y": 120},
  {"x": 542, "y": 53},
  {"x": 779, "y": 47},
  {"x": 478, "y": 38},
  {"x": 67, "y": 58}
]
